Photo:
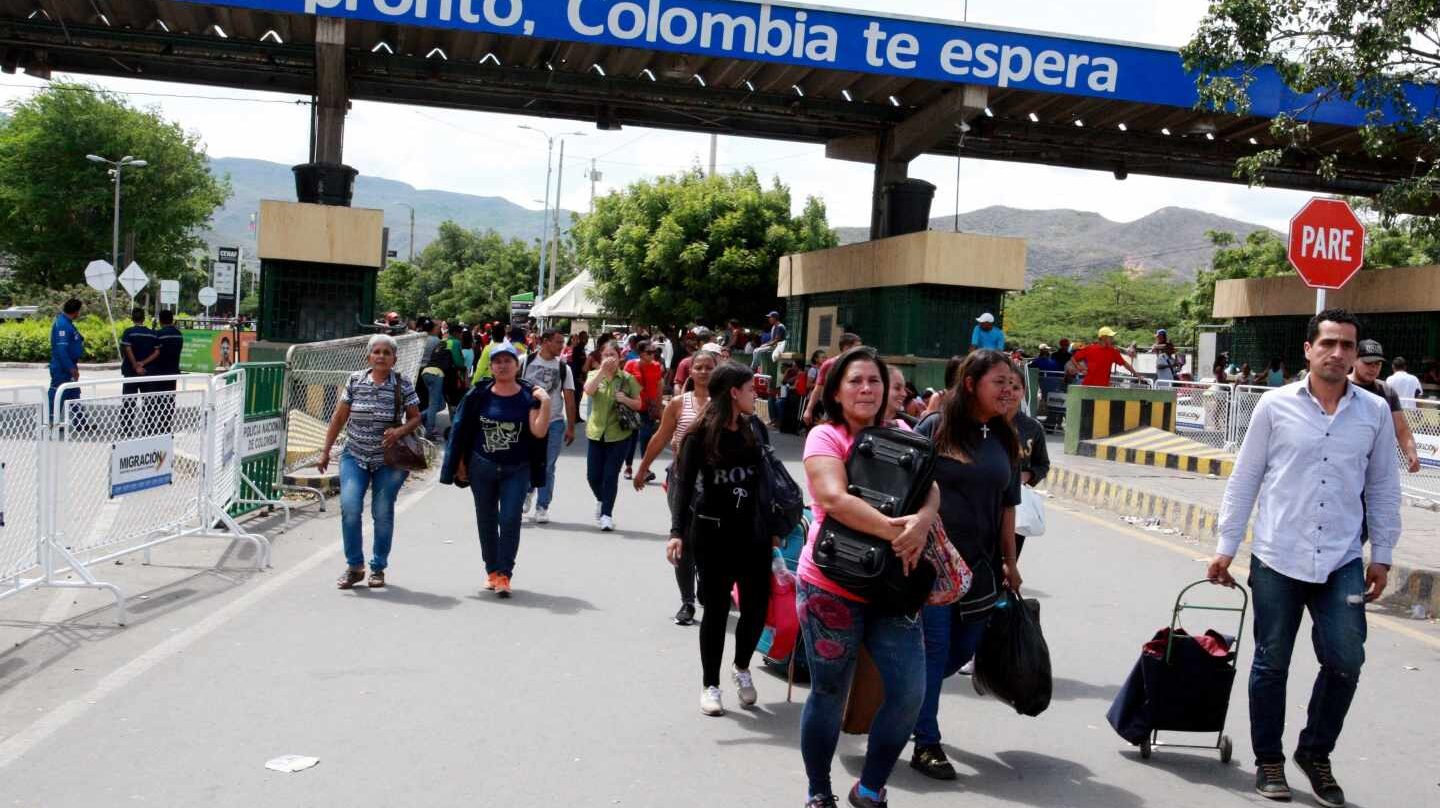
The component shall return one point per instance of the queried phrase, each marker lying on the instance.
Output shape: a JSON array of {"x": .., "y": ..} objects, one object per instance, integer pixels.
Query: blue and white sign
[
  {"x": 136, "y": 465},
  {"x": 840, "y": 40}
]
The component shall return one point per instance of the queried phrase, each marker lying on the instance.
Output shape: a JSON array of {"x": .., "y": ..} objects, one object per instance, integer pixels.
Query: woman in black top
[
  {"x": 1034, "y": 455},
  {"x": 978, "y": 474},
  {"x": 715, "y": 522}
]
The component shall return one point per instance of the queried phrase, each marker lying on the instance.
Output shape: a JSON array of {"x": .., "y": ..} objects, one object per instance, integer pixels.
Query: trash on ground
[
  {"x": 1411, "y": 668},
  {"x": 1419, "y": 612},
  {"x": 291, "y": 763}
]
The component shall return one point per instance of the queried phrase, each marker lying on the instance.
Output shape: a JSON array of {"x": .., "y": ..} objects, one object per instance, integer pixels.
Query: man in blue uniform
[
  {"x": 66, "y": 348},
  {"x": 137, "y": 352},
  {"x": 168, "y": 342}
]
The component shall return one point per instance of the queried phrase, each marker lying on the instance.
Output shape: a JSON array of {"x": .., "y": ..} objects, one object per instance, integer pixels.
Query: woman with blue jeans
[
  {"x": 609, "y": 388},
  {"x": 489, "y": 451},
  {"x": 835, "y": 622},
  {"x": 977, "y": 471},
  {"x": 368, "y": 409}
]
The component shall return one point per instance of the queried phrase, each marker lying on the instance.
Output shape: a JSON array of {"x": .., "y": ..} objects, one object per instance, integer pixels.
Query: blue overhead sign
[{"x": 832, "y": 39}]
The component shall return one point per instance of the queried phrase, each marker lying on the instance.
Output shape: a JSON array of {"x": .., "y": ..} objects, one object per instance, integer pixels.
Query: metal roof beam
[{"x": 915, "y": 135}]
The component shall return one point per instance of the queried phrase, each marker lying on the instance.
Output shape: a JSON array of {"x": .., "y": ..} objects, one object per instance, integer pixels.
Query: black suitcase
[{"x": 892, "y": 470}]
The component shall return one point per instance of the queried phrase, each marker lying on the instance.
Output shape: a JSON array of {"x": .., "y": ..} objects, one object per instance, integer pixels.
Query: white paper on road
[{"x": 291, "y": 763}]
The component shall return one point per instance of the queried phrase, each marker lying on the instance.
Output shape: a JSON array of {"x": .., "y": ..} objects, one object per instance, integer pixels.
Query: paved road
[{"x": 579, "y": 691}]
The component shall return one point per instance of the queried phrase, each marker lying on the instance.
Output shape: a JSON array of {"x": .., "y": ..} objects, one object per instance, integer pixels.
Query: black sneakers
[
  {"x": 1322, "y": 781},
  {"x": 1270, "y": 781},
  {"x": 686, "y": 615},
  {"x": 822, "y": 801},
  {"x": 930, "y": 760}
]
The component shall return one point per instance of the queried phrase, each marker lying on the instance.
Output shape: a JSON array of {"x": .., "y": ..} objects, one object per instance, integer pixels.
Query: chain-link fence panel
[
  {"x": 1131, "y": 382},
  {"x": 1202, "y": 410},
  {"x": 1243, "y": 401},
  {"x": 227, "y": 400},
  {"x": 316, "y": 373},
  {"x": 128, "y": 467},
  {"x": 1423, "y": 418},
  {"x": 22, "y": 452},
  {"x": 1051, "y": 395}
]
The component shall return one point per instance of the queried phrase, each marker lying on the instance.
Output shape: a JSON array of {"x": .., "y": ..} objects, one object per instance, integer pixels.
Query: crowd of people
[{"x": 514, "y": 416}]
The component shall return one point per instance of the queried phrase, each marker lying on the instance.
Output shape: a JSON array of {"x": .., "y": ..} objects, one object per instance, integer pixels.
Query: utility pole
[
  {"x": 594, "y": 177},
  {"x": 412, "y": 228},
  {"x": 555, "y": 248},
  {"x": 545, "y": 217},
  {"x": 714, "y": 147}
]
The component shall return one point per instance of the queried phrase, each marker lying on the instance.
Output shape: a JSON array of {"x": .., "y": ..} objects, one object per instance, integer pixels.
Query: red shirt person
[{"x": 1100, "y": 357}]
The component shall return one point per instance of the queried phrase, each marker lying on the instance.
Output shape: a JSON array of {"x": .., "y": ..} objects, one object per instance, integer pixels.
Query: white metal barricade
[
  {"x": 22, "y": 473},
  {"x": 132, "y": 470},
  {"x": 1202, "y": 410},
  {"x": 1423, "y": 417},
  {"x": 1243, "y": 401}
]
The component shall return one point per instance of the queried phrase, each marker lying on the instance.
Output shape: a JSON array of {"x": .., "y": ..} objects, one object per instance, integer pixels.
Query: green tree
[
  {"x": 1132, "y": 304},
  {"x": 56, "y": 207},
  {"x": 465, "y": 275},
  {"x": 1260, "y": 255},
  {"x": 687, "y": 247},
  {"x": 1360, "y": 51}
]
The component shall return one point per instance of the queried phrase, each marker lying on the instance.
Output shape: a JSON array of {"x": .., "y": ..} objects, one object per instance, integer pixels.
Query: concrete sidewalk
[{"x": 1189, "y": 503}]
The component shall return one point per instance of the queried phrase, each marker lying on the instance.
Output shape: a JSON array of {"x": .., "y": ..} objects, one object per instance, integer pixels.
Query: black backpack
[
  {"x": 892, "y": 470},
  {"x": 782, "y": 503}
]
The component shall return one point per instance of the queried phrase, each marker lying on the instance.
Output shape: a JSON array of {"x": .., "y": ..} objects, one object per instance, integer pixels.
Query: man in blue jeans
[
  {"x": 546, "y": 369},
  {"x": 1313, "y": 451}
]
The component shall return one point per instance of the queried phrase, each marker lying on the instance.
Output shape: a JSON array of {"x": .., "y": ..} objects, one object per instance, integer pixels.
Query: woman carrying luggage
[
  {"x": 1034, "y": 454},
  {"x": 609, "y": 388},
  {"x": 719, "y": 526},
  {"x": 680, "y": 415},
  {"x": 977, "y": 471},
  {"x": 836, "y": 622}
]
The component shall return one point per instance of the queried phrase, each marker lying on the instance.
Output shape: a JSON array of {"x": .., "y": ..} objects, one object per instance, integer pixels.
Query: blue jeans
[
  {"x": 1338, "y": 633},
  {"x": 834, "y": 628},
  {"x": 435, "y": 389},
  {"x": 602, "y": 471},
  {"x": 949, "y": 643},
  {"x": 554, "y": 442},
  {"x": 499, "y": 493},
  {"x": 355, "y": 481},
  {"x": 640, "y": 437}
]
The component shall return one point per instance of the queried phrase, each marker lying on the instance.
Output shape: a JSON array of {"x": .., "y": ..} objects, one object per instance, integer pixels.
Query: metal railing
[{"x": 1202, "y": 411}]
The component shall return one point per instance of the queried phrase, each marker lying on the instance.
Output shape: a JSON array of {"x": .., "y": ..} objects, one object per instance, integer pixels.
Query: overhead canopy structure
[
  {"x": 873, "y": 88},
  {"x": 572, "y": 301}
]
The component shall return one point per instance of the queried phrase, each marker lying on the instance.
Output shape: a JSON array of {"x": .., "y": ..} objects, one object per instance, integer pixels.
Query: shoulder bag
[
  {"x": 408, "y": 452},
  {"x": 782, "y": 502},
  {"x": 628, "y": 419}
]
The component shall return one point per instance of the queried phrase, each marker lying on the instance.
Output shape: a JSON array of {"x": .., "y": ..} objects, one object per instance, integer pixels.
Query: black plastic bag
[{"x": 1013, "y": 660}]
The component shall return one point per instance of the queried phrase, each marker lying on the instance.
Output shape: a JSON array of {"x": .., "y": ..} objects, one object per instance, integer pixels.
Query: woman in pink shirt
[{"x": 836, "y": 622}]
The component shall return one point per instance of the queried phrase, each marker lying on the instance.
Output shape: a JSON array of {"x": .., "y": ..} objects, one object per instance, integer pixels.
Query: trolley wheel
[
  {"x": 1145, "y": 749},
  {"x": 1226, "y": 748}
]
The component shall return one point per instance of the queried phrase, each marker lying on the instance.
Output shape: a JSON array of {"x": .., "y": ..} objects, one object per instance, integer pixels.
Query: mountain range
[{"x": 1059, "y": 242}]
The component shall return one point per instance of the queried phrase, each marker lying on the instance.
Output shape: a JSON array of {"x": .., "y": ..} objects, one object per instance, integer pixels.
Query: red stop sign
[{"x": 1327, "y": 243}]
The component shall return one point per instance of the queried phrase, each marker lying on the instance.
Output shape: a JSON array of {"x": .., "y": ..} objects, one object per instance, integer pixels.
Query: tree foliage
[
  {"x": 466, "y": 275},
  {"x": 686, "y": 248},
  {"x": 1132, "y": 304},
  {"x": 1361, "y": 51},
  {"x": 56, "y": 207}
]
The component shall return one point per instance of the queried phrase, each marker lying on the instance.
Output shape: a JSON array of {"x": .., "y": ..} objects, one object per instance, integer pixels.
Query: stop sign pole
[{"x": 1326, "y": 245}]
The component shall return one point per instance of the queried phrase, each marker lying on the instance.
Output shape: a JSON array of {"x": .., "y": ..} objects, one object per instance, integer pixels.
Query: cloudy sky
[{"x": 489, "y": 155}]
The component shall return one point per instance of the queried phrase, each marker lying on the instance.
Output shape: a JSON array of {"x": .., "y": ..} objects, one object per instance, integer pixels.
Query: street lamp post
[
  {"x": 115, "y": 168},
  {"x": 412, "y": 228},
  {"x": 545, "y": 227}
]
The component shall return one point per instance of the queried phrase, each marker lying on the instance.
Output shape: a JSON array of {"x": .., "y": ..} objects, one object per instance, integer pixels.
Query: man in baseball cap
[
  {"x": 1100, "y": 358},
  {"x": 986, "y": 335},
  {"x": 774, "y": 335},
  {"x": 1369, "y": 360}
]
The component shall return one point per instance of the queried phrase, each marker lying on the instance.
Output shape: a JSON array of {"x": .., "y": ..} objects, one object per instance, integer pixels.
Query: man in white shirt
[
  {"x": 1405, "y": 385},
  {"x": 1313, "y": 449},
  {"x": 546, "y": 369}
]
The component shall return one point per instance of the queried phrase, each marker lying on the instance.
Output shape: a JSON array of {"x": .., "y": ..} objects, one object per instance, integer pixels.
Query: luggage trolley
[{"x": 1187, "y": 688}]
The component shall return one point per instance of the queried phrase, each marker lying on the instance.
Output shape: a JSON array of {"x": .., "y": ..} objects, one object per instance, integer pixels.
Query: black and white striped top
[{"x": 372, "y": 411}]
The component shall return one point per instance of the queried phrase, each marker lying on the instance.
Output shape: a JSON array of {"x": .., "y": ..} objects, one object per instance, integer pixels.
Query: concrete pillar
[
  {"x": 887, "y": 170},
  {"x": 331, "y": 91}
]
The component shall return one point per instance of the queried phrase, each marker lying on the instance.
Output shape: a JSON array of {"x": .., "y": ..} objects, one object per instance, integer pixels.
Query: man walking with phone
[{"x": 1314, "y": 448}]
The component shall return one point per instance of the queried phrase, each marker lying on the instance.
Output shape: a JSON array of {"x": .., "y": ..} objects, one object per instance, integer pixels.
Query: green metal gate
[{"x": 264, "y": 414}]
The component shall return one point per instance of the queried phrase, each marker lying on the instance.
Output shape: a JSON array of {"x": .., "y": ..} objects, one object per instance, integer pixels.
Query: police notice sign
[
  {"x": 136, "y": 465},
  {"x": 260, "y": 437}
]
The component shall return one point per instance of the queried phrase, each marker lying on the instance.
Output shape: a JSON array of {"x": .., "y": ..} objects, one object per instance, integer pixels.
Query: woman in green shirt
[{"x": 609, "y": 388}]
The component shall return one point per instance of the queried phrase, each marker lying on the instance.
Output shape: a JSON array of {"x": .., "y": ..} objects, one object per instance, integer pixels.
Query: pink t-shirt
[{"x": 826, "y": 440}]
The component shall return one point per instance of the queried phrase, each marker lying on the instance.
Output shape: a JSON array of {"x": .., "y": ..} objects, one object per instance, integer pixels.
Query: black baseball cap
[{"x": 1370, "y": 350}]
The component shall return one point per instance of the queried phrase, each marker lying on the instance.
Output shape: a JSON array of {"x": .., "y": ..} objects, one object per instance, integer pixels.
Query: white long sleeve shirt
[{"x": 1309, "y": 471}]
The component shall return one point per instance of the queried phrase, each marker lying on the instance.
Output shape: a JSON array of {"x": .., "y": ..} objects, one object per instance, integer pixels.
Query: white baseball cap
[{"x": 987, "y": 317}]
